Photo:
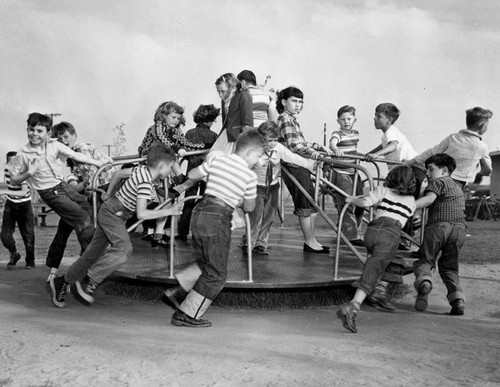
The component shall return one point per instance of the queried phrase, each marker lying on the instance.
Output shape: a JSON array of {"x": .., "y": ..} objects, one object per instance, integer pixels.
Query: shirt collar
[{"x": 471, "y": 133}]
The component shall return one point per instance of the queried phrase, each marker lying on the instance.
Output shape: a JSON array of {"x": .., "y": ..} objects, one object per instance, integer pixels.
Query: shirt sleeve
[
  {"x": 439, "y": 148},
  {"x": 289, "y": 157},
  {"x": 251, "y": 188},
  {"x": 246, "y": 109}
]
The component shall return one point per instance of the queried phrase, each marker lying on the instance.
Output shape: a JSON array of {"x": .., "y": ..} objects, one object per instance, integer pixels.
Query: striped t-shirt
[
  {"x": 138, "y": 186},
  {"x": 261, "y": 101},
  {"x": 391, "y": 204},
  {"x": 229, "y": 179},
  {"x": 348, "y": 144},
  {"x": 16, "y": 199}
]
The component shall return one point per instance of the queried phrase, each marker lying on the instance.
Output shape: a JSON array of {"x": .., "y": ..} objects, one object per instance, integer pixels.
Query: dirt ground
[{"x": 119, "y": 342}]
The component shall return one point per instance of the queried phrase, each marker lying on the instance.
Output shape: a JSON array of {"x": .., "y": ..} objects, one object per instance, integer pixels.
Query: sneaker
[
  {"x": 58, "y": 289},
  {"x": 181, "y": 319},
  {"x": 261, "y": 250},
  {"x": 30, "y": 265},
  {"x": 457, "y": 307},
  {"x": 83, "y": 291},
  {"x": 422, "y": 297},
  {"x": 347, "y": 313},
  {"x": 14, "y": 258},
  {"x": 381, "y": 302},
  {"x": 174, "y": 296}
]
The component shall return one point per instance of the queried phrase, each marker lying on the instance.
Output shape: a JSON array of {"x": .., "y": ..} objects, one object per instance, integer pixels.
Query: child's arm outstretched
[
  {"x": 371, "y": 199},
  {"x": 375, "y": 153},
  {"x": 143, "y": 213},
  {"x": 426, "y": 200},
  {"x": 117, "y": 178}
]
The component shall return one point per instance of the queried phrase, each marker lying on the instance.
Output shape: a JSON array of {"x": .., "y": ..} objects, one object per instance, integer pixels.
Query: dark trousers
[
  {"x": 187, "y": 210},
  {"x": 381, "y": 240},
  {"x": 303, "y": 206},
  {"x": 22, "y": 214},
  {"x": 447, "y": 238},
  {"x": 211, "y": 228}
]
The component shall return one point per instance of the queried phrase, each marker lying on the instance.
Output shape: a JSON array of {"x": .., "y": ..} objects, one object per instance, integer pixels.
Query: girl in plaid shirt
[{"x": 289, "y": 104}]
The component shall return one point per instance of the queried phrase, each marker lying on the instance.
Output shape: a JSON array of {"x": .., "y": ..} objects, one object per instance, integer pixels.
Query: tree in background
[{"x": 120, "y": 140}]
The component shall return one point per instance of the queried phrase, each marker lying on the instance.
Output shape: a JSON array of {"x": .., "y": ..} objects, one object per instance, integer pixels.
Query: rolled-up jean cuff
[{"x": 304, "y": 212}]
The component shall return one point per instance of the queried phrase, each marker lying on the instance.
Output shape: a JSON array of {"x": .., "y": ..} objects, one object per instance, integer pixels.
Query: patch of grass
[{"x": 481, "y": 241}]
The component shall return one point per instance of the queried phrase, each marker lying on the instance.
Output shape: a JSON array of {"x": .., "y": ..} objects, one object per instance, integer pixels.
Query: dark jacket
[{"x": 240, "y": 114}]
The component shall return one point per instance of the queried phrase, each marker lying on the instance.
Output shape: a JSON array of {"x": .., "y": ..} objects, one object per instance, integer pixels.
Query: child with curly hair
[{"x": 394, "y": 203}]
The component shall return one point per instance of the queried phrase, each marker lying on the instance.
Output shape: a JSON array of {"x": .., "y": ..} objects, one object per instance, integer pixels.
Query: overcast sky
[{"x": 99, "y": 63}]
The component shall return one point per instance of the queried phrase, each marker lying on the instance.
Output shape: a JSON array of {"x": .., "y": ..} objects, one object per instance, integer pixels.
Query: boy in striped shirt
[
  {"x": 230, "y": 183},
  {"x": 18, "y": 209},
  {"x": 345, "y": 142},
  {"x": 111, "y": 246}
]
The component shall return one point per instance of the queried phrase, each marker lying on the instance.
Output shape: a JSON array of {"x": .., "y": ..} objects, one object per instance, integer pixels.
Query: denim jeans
[
  {"x": 353, "y": 215},
  {"x": 22, "y": 214},
  {"x": 303, "y": 207},
  {"x": 110, "y": 246},
  {"x": 73, "y": 208},
  {"x": 211, "y": 228},
  {"x": 64, "y": 230},
  {"x": 381, "y": 240},
  {"x": 447, "y": 238},
  {"x": 261, "y": 218},
  {"x": 187, "y": 210}
]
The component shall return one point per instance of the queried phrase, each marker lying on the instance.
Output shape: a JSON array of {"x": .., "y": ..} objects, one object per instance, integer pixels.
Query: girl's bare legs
[{"x": 307, "y": 224}]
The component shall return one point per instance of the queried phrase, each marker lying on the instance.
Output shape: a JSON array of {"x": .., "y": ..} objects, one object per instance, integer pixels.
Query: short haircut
[
  {"x": 290, "y": 91},
  {"x": 269, "y": 129},
  {"x": 402, "y": 180},
  {"x": 205, "y": 113},
  {"x": 247, "y": 76},
  {"x": 169, "y": 107},
  {"x": 35, "y": 119},
  {"x": 61, "y": 128},
  {"x": 10, "y": 154},
  {"x": 250, "y": 139},
  {"x": 230, "y": 80},
  {"x": 442, "y": 160},
  {"x": 346, "y": 109},
  {"x": 476, "y": 116},
  {"x": 159, "y": 152},
  {"x": 389, "y": 109}
]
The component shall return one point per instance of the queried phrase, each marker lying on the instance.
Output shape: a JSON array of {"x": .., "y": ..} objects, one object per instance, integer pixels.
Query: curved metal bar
[
  {"x": 249, "y": 247},
  {"x": 322, "y": 213}
]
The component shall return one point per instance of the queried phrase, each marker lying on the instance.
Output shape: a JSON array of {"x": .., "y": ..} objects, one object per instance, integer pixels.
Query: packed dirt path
[{"x": 119, "y": 342}]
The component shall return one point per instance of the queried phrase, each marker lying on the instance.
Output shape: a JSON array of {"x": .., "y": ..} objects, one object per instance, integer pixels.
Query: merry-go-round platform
[{"x": 286, "y": 266}]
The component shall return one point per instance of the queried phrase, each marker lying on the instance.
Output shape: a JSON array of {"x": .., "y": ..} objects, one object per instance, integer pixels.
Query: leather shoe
[
  {"x": 309, "y": 249},
  {"x": 358, "y": 242},
  {"x": 381, "y": 302},
  {"x": 181, "y": 319},
  {"x": 422, "y": 297},
  {"x": 457, "y": 307},
  {"x": 174, "y": 296},
  {"x": 347, "y": 313}
]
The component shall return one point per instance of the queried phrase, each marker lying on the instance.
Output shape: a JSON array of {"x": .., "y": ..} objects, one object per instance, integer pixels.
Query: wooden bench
[{"x": 41, "y": 210}]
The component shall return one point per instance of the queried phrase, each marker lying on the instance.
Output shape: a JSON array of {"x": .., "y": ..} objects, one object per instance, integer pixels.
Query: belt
[{"x": 218, "y": 201}]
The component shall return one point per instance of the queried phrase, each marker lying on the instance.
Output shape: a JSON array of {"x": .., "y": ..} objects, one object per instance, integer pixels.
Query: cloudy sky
[{"x": 101, "y": 63}]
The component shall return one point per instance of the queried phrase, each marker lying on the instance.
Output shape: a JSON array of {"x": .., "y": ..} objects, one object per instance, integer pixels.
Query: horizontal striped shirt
[
  {"x": 390, "y": 204},
  {"x": 229, "y": 179},
  {"x": 261, "y": 101},
  {"x": 138, "y": 186},
  {"x": 449, "y": 205},
  {"x": 348, "y": 144},
  {"x": 16, "y": 199}
]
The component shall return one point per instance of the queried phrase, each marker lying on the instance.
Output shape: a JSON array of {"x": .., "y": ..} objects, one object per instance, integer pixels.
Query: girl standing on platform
[
  {"x": 289, "y": 104},
  {"x": 395, "y": 204}
]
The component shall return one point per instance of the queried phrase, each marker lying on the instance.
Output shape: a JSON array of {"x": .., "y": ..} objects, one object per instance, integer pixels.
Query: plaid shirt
[
  {"x": 449, "y": 205},
  {"x": 291, "y": 136},
  {"x": 86, "y": 172}
]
